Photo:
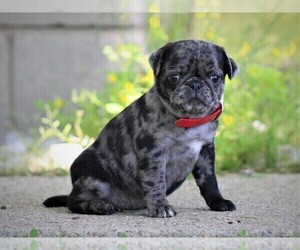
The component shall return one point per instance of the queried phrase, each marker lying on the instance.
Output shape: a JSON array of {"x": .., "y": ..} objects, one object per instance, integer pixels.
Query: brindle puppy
[{"x": 141, "y": 156}]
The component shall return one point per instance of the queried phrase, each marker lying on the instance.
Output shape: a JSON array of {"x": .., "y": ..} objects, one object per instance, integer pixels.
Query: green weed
[
  {"x": 33, "y": 233},
  {"x": 243, "y": 233}
]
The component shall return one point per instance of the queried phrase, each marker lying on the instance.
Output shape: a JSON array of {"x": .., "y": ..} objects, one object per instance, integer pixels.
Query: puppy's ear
[
  {"x": 155, "y": 59},
  {"x": 231, "y": 68}
]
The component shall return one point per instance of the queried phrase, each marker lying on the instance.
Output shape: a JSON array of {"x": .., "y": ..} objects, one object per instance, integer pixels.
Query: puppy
[{"x": 146, "y": 152}]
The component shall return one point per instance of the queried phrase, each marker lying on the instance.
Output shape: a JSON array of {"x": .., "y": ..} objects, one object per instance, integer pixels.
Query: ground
[{"x": 267, "y": 206}]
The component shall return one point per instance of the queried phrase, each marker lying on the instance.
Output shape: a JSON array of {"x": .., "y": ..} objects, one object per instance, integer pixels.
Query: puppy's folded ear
[
  {"x": 155, "y": 58},
  {"x": 231, "y": 68}
]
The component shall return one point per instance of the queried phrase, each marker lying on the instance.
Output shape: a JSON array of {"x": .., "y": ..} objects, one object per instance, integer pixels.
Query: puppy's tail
[{"x": 57, "y": 201}]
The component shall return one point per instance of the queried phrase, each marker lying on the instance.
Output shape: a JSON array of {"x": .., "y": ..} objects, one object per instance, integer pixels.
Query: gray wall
[{"x": 47, "y": 55}]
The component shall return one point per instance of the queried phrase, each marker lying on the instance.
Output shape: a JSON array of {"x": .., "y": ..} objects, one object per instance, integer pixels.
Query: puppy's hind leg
[{"x": 90, "y": 196}]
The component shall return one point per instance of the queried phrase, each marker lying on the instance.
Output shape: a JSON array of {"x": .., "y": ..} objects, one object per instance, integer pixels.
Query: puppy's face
[{"x": 190, "y": 76}]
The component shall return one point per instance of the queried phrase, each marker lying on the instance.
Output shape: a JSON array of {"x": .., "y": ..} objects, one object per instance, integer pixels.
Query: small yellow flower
[
  {"x": 154, "y": 22},
  {"x": 245, "y": 49},
  {"x": 210, "y": 35},
  {"x": 276, "y": 52},
  {"x": 228, "y": 119},
  {"x": 112, "y": 78},
  {"x": 128, "y": 86},
  {"x": 148, "y": 78},
  {"x": 58, "y": 103},
  {"x": 123, "y": 98}
]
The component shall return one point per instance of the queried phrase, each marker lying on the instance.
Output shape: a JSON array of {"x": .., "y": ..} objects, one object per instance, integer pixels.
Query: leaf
[
  {"x": 56, "y": 123},
  {"x": 33, "y": 233},
  {"x": 45, "y": 120},
  {"x": 42, "y": 130},
  {"x": 122, "y": 234},
  {"x": 113, "y": 108},
  {"x": 67, "y": 129},
  {"x": 95, "y": 100},
  {"x": 110, "y": 53},
  {"x": 74, "y": 96}
]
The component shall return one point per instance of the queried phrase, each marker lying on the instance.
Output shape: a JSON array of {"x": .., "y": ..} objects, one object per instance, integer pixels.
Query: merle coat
[{"x": 140, "y": 157}]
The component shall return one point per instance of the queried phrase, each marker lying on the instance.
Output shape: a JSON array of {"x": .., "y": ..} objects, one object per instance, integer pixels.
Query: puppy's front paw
[
  {"x": 222, "y": 205},
  {"x": 162, "y": 211}
]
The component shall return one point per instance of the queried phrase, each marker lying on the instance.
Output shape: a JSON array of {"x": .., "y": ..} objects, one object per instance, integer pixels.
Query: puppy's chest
[{"x": 184, "y": 147}]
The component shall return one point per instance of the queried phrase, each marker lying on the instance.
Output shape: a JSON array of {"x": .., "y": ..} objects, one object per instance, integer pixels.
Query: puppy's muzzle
[{"x": 195, "y": 86}]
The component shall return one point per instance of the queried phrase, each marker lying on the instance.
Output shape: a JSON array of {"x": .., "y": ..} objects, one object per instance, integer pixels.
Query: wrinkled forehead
[{"x": 192, "y": 54}]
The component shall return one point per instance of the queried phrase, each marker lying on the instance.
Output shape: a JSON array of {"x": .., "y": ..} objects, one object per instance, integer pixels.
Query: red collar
[{"x": 194, "y": 122}]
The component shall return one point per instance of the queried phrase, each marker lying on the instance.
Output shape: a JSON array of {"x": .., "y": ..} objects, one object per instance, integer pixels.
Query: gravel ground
[{"x": 267, "y": 206}]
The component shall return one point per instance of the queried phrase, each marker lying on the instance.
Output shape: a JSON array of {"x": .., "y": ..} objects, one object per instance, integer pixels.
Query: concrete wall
[{"x": 47, "y": 55}]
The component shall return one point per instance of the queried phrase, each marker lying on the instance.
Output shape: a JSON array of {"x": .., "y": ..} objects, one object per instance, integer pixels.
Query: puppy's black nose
[{"x": 195, "y": 86}]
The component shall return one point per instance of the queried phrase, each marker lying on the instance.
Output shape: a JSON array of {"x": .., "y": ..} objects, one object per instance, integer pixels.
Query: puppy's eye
[
  {"x": 173, "y": 78},
  {"x": 215, "y": 78}
]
